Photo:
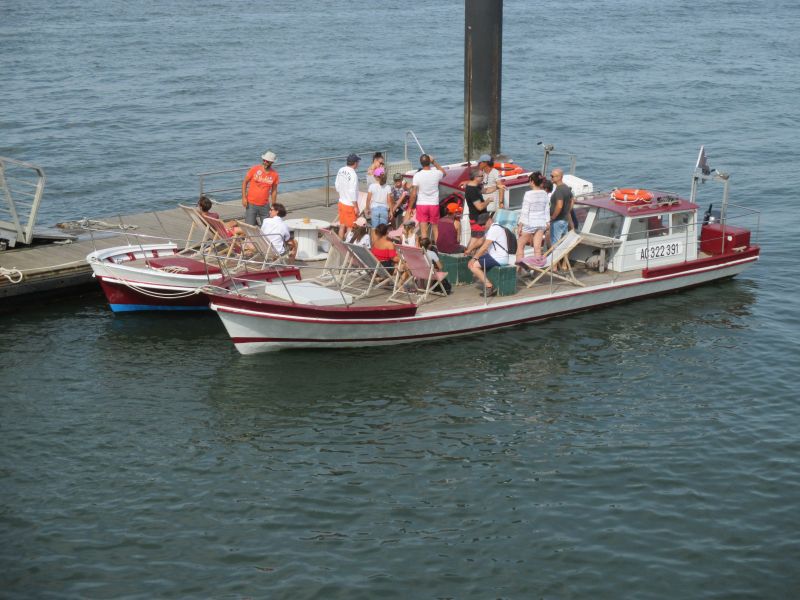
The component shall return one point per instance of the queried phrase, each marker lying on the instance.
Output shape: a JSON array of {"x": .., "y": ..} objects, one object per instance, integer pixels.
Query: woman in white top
[
  {"x": 359, "y": 234},
  {"x": 409, "y": 236},
  {"x": 378, "y": 198},
  {"x": 534, "y": 218}
]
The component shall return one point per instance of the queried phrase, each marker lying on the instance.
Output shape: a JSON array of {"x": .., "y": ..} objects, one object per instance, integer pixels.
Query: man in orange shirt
[{"x": 259, "y": 188}]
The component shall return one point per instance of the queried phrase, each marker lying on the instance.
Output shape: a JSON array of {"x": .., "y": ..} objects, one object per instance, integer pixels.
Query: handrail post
[{"x": 327, "y": 182}]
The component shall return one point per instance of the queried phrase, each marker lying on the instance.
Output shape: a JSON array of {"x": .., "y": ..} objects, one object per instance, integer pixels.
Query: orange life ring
[
  {"x": 631, "y": 196},
  {"x": 507, "y": 169}
]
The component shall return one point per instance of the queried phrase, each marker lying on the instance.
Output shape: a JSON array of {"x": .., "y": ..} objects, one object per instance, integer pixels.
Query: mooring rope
[
  {"x": 86, "y": 223},
  {"x": 13, "y": 275}
]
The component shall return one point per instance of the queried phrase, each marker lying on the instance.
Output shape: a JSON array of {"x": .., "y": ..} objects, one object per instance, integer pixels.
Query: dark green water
[
  {"x": 636, "y": 450},
  {"x": 648, "y": 450}
]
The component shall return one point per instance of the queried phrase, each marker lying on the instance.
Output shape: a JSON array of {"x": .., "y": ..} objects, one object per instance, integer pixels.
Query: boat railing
[
  {"x": 21, "y": 188},
  {"x": 226, "y": 184},
  {"x": 550, "y": 150},
  {"x": 737, "y": 216}
]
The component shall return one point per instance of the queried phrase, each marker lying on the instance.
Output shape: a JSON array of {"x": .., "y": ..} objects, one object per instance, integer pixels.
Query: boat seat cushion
[{"x": 183, "y": 265}]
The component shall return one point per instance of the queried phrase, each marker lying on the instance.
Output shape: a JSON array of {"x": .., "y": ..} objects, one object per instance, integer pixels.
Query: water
[{"x": 647, "y": 450}]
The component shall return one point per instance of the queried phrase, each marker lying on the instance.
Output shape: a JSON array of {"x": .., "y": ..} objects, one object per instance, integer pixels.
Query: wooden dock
[{"x": 61, "y": 268}]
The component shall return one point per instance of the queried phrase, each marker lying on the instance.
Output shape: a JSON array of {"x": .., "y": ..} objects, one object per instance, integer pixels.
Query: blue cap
[
  {"x": 485, "y": 158},
  {"x": 353, "y": 158}
]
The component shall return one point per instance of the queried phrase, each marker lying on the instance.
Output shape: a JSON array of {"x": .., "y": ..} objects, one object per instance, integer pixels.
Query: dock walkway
[{"x": 61, "y": 268}]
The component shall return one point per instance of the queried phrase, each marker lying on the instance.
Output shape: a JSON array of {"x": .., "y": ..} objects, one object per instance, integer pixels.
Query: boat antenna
[{"x": 702, "y": 173}]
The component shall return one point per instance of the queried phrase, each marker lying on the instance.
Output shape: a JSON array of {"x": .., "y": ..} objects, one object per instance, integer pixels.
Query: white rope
[
  {"x": 73, "y": 263},
  {"x": 153, "y": 294},
  {"x": 13, "y": 275}
]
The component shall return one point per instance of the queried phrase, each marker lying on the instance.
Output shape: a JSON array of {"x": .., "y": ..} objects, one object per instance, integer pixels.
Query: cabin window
[
  {"x": 514, "y": 196},
  {"x": 680, "y": 221},
  {"x": 648, "y": 227},
  {"x": 607, "y": 223}
]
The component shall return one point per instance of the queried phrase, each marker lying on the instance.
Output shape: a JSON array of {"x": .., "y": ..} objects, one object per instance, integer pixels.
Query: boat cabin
[{"x": 657, "y": 229}]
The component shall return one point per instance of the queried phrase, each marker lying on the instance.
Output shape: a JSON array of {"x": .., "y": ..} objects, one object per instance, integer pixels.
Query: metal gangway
[{"x": 21, "y": 187}]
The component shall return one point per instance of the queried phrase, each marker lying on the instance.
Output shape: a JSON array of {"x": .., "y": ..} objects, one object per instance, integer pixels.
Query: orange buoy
[
  {"x": 631, "y": 196},
  {"x": 507, "y": 169}
]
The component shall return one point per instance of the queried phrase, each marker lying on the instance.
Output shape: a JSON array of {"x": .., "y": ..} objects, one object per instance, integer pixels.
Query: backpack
[{"x": 511, "y": 240}]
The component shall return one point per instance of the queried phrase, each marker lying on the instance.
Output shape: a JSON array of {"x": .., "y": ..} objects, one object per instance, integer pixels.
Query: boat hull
[
  {"x": 260, "y": 328},
  {"x": 123, "y": 297},
  {"x": 134, "y": 287}
]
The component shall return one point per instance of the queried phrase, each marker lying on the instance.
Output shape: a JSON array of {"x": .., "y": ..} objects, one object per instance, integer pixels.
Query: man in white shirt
[
  {"x": 425, "y": 195},
  {"x": 277, "y": 233},
  {"x": 492, "y": 253},
  {"x": 347, "y": 187}
]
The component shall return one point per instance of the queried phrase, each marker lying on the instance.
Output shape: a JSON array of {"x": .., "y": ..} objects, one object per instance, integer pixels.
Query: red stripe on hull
[
  {"x": 700, "y": 263},
  {"x": 345, "y": 313}
]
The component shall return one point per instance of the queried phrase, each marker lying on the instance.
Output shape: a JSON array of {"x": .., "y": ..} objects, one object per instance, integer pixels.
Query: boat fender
[{"x": 631, "y": 195}]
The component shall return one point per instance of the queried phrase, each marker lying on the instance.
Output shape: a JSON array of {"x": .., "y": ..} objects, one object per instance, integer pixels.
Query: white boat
[
  {"x": 628, "y": 247},
  {"x": 158, "y": 277}
]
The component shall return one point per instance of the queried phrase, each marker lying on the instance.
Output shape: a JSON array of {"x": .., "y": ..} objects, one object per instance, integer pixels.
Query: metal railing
[
  {"x": 326, "y": 177},
  {"x": 27, "y": 182}
]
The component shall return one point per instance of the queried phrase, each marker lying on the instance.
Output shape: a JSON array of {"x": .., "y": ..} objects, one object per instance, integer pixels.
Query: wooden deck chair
[
  {"x": 259, "y": 242},
  {"x": 425, "y": 279},
  {"x": 222, "y": 242},
  {"x": 197, "y": 221},
  {"x": 336, "y": 270},
  {"x": 557, "y": 254},
  {"x": 375, "y": 274},
  {"x": 361, "y": 203}
]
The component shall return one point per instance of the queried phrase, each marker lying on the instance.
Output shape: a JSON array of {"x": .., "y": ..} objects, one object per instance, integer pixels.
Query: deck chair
[
  {"x": 425, "y": 279},
  {"x": 195, "y": 216},
  {"x": 222, "y": 242},
  {"x": 261, "y": 244},
  {"x": 555, "y": 255},
  {"x": 374, "y": 273},
  {"x": 335, "y": 271},
  {"x": 361, "y": 203}
]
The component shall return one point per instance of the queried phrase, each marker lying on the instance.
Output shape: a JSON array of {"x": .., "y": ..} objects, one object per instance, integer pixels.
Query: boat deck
[{"x": 469, "y": 295}]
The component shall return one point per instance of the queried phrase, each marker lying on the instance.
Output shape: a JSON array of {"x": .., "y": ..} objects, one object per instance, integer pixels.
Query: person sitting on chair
[
  {"x": 492, "y": 253},
  {"x": 447, "y": 241},
  {"x": 383, "y": 248},
  {"x": 359, "y": 235},
  {"x": 205, "y": 204},
  {"x": 430, "y": 251},
  {"x": 277, "y": 233}
]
